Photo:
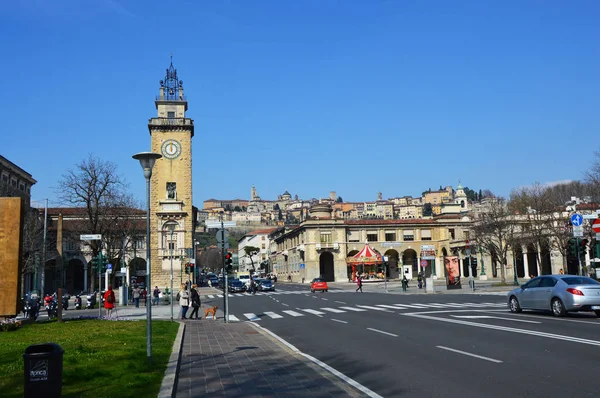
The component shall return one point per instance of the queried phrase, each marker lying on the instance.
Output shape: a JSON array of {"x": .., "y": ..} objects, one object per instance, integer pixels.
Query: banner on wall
[
  {"x": 452, "y": 268},
  {"x": 427, "y": 252}
]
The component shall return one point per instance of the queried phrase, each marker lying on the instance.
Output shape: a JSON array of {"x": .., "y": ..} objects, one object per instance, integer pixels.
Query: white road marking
[
  {"x": 314, "y": 312},
  {"x": 211, "y": 296},
  {"x": 373, "y": 308},
  {"x": 549, "y": 318},
  {"x": 469, "y": 354},
  {"x": 220, "y": 295},
  {"x": 341, "y": 302},
  {"x": 390, "y": 306},
  {"x": 417, "y": 305},
  {"x": 337, "y": 320},
  {"x": 353, "y": 309},
  {"x": 492, "y": 317},
  {"x": 333, "y": 310},
  {"x": 336, "y": 373},
  {"x": 443, "y": 305},
  {"x": 233, "y": 318},
  {"x": 285, "y": 304},
  {"x": 252, "y": 317},
  {"x": 292, "y": 313},
  {"x": 273, "y": 315},
  {"x": 508, "y": 329},
  {"x": 324, "y": 299},
  {"x": 382, "y": 332}
]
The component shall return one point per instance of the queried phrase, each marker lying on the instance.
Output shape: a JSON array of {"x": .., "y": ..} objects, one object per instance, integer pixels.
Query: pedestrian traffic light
[{"x": 228, "y": 262}]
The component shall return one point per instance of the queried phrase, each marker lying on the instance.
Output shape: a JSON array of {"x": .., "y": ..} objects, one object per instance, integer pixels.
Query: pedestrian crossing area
[
  {"x": 275, "y": 293},
  {"x": 320, "y": 312}
]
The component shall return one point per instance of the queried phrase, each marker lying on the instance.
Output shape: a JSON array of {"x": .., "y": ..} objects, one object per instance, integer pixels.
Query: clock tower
[{"x": 171, "y": 213}]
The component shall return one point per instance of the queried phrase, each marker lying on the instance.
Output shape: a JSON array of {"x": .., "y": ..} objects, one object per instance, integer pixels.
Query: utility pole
[
  {"x": 43, "y": 273},
  {"x": 225, "y": 298}
]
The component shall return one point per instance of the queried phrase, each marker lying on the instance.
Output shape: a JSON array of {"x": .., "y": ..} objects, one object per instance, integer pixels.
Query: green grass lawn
[{"x": 101, "y": 359}]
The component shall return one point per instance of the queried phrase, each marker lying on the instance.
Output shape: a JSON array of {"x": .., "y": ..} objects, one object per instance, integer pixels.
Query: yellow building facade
[{"x": 171, "y": 215}]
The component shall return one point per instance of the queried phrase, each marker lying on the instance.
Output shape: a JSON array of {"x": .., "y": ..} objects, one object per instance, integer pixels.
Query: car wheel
[
  {"x": 558, "y": 308},
  {"x": 597, "y": 313},
  {"x": 325, "y": 291},
  {"x": 514, "y": 305},
  {"x": 312, "y": 290}
]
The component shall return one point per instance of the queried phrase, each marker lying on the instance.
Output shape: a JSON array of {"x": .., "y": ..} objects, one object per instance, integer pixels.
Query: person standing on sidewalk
[
  {"x": 136, "y": 296},
  {"x": 404, "y": 283},
  {"x": 184, "y": 300},
  {"x": 109, "y": 301},
  {"x": 359, "y": 284},
  {"x": 155, "y": 295},
  {"x": 195, "y": 301}
]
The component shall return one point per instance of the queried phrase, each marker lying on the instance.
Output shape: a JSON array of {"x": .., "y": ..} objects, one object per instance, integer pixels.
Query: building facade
[
  {"x": 171, "y": 212},
  {"x": 14, "y": 181}
]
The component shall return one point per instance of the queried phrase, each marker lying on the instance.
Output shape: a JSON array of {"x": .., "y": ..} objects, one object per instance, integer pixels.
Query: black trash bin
[{"x": 43, "y": 370}]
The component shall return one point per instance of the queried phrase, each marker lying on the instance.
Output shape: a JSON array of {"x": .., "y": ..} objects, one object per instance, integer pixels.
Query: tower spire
[{"x": 171, "y": 87}]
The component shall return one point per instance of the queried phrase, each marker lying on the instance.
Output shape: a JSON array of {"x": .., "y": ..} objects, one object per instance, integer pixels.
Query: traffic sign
[
  {"x": 108, "y": 266},
  {"x": 423, "y": 263},
  {"x": 577, "y": 231},
  {"x": 576, "y": 219},
  {"x": 220, "y": 234},
  {"x": 218, "y": 224},
  {"x": 123, "y": 270},
  {"x": 596, "y": 225},
  {"x": 90, "y": 237}
]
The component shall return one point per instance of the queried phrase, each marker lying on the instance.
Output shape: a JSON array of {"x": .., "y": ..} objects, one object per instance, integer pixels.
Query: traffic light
[
  {"x": 191, "y": 268},
  {"x": 583, "y": 247},
  {"x": 228, "y": 262},
  {"x": 187, "y": 268},
  {"x": 573, "y": 246}
]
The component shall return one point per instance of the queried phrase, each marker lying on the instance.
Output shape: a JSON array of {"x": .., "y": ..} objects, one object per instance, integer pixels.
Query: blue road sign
[
  {"x": 108, "y": 266},
  {"x": 302, "y": 266},
  {"x": 576, "y": 220}
]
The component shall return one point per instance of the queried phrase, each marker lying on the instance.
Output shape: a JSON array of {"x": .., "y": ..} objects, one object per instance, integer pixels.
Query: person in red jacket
[{"x": 109, "y": 301}]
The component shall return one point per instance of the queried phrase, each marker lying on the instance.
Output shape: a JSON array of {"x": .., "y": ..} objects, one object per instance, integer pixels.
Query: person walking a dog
[
  {"x": 359, "y": 284},
  {"x": 195, "y": 301}
]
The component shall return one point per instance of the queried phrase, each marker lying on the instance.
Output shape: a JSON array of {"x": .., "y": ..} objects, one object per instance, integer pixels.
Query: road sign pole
[{"x": 225, "y": 298}]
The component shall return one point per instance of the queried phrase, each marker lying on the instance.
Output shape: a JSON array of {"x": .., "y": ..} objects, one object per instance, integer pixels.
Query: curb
[{"x": 168, "y": 387}]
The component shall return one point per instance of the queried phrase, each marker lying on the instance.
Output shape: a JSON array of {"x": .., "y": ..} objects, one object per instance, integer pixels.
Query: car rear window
[
  {"x": 579, "y": 280},
  {"x": 318, "y": 280}
]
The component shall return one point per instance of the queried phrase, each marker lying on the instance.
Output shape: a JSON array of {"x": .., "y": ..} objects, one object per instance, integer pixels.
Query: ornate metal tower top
[{"x": 171, "y": 89}]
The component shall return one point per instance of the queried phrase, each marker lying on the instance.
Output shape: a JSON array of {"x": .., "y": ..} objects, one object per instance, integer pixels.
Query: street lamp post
[
  {"x": 171, "y": 228},
  {"x": 147, "y": 160}
]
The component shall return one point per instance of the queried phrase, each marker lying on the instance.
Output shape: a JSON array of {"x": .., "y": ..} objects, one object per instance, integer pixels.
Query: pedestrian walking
[
  {"x": 195, "y": 296},
  {"x": 359, "y": 284},
  {"x": 155, "y": 295},
  {"x": 184, "y": 300},
  {"x": 137, "y": 292},
  {"x": 109, "y": 301},
  {"x": 404, "y": 283}
]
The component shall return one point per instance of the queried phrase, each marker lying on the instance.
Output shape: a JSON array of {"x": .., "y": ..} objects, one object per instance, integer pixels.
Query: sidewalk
[{"x": 240, "y": 359}]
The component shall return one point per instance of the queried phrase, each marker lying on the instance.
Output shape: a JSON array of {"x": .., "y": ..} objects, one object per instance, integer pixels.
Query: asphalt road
[{"x": 439, "y": 345}]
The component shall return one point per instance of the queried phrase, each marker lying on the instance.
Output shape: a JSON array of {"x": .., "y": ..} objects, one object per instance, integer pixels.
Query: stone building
[
  {"x": 14, "y": 181},
  {"x": 171, "y": 211}
]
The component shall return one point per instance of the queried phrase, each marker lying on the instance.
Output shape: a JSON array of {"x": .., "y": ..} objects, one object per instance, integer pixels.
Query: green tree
[
  {"x": 339, "y": 200},
  {"x": 251, "y": 251}
]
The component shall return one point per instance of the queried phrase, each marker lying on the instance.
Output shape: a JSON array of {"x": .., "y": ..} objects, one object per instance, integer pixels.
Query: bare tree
[
  {"x": 94, "y": 185},
  {"x": 210, "y": 259},
  {"x": 494, "y": 232},
  {"x": 592, "y": 177}
]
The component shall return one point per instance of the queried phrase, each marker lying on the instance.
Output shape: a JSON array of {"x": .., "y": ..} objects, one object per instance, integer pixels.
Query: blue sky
[{"x": 356, "y": 97}]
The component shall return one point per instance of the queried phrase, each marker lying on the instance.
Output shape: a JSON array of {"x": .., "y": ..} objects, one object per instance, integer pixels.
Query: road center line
[
  {"x": 337, "y": 320},
  {"x": 469, "y": 354},
  {"x": 382, "y": 332}
]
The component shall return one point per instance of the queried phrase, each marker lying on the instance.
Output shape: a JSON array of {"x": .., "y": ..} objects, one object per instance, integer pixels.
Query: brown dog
[{"x": 212, "y": 311}]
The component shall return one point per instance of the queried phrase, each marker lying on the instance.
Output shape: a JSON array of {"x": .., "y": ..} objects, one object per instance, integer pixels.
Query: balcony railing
[
  {"x": 171, "y": 121},
  {"x": 171, "y": 97},
  {"x": 169, "y": 252}
]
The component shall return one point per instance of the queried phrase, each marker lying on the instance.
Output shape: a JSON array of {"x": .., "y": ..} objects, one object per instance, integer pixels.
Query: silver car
[{"x": 557, "y": 293}]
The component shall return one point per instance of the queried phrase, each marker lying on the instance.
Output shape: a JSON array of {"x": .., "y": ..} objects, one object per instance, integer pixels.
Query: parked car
[
  {"x": 557, "y": 293},
  {"x": 318, "y": 284},
  {"x": 237, "y": 286},
  {"x": 266, "y": 285}
]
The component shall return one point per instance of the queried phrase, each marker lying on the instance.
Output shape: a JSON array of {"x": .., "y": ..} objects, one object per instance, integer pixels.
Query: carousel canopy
[{"x": 366, "y": 256}]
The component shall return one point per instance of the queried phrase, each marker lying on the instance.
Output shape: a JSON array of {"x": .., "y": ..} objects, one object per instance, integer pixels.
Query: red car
[{"x": 318, "y": 284}]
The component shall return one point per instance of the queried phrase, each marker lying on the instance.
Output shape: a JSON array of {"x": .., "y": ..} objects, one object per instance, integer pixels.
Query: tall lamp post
[
  {"x": 147, "y": 160},
  {"x": 171, "y": 228}
]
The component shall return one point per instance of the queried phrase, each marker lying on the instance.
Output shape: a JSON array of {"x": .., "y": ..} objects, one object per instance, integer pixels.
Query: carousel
[{"x": 366, "y": 263}]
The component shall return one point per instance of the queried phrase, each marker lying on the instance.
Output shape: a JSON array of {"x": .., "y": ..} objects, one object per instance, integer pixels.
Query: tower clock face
[{"x": 171, "y": 149}]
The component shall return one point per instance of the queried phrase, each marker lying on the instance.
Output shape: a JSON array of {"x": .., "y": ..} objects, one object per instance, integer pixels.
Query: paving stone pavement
[{"x": 239, "y": 360}]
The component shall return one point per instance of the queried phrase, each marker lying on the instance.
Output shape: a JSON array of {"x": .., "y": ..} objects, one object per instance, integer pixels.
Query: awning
[{"x": 366, "y": 256}]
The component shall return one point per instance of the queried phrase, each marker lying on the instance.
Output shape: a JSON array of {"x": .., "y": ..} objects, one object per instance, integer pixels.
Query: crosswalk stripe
[
  {"x": 211, "y": 296},
  {"x": 442, "y": 305},
  {"x": 391, "y": 306},
  {"x": 335, "y": 310},
  {"x": 220, "y": 295},
  {"x": 292, "y": 313},
  {"x": 413, "y": 305},
  {"x": 454, "y": 305},
  {"x": 314, "y": 312},
  {"x": 233, "y": 318},
  {"x": 373, "y": 308},
  {"x": 272, "y": 315},
  {"x": 353, "y": 309},
  {"x": 252, "y": 317}
]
